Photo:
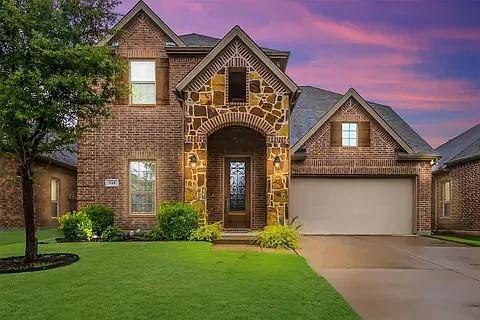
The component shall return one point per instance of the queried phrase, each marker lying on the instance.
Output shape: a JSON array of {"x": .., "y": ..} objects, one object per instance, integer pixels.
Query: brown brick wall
[
  {"x": 238, "y": 141},
  {"x": 136, "y": 132},
  {"x": 465, "y": 207},
  {"x": 379, "y": 159},
  {"x": 11, "y": 210}
]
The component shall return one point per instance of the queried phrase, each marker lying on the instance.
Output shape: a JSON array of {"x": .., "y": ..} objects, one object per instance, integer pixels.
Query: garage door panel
[{"x": 353, "y": 205}]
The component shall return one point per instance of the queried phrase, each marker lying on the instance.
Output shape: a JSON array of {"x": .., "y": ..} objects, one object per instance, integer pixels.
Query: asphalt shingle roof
[
  {"x": 314, "y": 103},
  {"x": 200, "y": 40},
  {"x": 68, "y": 156},
  {"x": 462, "y": 146}
]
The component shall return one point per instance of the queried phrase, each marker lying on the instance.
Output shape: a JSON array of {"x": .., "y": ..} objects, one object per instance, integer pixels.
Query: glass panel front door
[
  {"x": 237, "y": 193},
  {"x": 238, "y": 171}
]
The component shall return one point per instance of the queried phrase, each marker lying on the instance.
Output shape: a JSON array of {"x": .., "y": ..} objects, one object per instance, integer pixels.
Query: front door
[{"x": 237, "y": 193}]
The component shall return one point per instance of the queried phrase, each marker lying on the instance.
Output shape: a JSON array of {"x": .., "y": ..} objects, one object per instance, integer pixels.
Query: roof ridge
[{"x": 199, "y": 34}]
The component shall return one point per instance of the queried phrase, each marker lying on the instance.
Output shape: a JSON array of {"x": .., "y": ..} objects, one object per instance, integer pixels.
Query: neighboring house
[
  {"x": 456, "y": 188},
  {"x": 216, "y": 123},
  {"x": 55, "y": 189}
]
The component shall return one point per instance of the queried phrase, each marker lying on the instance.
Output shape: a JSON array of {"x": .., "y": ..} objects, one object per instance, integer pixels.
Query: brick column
[{"x": 424, "y": 199}]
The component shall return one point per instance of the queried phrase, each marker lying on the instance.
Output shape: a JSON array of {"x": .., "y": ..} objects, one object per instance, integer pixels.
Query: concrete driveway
[{"x": 410, "y": 277}]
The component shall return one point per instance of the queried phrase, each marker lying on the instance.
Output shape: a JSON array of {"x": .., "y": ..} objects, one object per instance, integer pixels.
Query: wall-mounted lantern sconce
[
  {"x": 114, "y": 45},
  {"x": 193, "y": 161},
  {"x": 277, "y": 162}
]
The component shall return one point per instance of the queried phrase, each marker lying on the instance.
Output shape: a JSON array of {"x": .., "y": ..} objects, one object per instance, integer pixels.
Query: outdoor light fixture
[
  {"x": 114, "y": 45},
  {"x": 193, "y": 161},
  {"x": 277, "y": 162}
]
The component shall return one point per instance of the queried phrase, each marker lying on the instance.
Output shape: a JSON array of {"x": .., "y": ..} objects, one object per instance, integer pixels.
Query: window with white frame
[
  {"x": 142, "y": 187},
  {"x": 54, "y": 197},
  {"x": 447, "y": 198},
  {"x": 349, "y": 134},
  {"x": 142, "y": 81}
]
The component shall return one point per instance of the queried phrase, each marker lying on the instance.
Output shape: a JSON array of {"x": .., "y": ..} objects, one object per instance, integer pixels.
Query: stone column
[
  {"x": 196, "y": 177},
  {"x": 277, "y": 180}
]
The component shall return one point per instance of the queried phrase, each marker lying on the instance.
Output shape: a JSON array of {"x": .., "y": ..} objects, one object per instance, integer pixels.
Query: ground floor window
[
  {"x": 142, "y": 187},
  {"x": 54, "y": 197},
  {"x": 447, "y": 198}
]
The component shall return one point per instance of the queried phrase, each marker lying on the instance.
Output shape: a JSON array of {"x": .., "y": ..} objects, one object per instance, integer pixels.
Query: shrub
[
  {"x": 101, "y": 217},
  {"x": 112, "y": 233},
  {"x": 278, "y": 236},
  {"x": 208, "y": 232},
  {"x": 76, "y": 226},
  {"x": 156, "y": 234},
  {"x": 177, "y": 220}
]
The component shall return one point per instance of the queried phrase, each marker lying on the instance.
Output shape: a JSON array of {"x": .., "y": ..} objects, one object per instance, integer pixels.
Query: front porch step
[{"x": 236, "y": 238}]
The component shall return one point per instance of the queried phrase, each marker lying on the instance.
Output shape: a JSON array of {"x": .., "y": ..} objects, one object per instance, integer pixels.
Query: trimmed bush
[
  {"x": 177, "y": 220},
  {"x": 112, "y": 233},
  {"x": 208, "y": 232},
  {"x": 156, "y": 234},
  {"x": 76, "y": 226},
  {"x": 279, "y": 237},
  {"x": 101, "y": 217}
]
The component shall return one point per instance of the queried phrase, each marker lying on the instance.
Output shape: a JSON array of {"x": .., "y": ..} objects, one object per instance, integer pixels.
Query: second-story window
[
  {"x": 237, "y": 84},
  {"x": 142, "y": 81}
]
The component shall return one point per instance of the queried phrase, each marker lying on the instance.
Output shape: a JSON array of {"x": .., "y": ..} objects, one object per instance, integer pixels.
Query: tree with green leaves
[{"x": 56, "y": 82}]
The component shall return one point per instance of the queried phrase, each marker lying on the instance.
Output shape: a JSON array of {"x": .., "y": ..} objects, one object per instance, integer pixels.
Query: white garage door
[{"x": 353, "y": 205}]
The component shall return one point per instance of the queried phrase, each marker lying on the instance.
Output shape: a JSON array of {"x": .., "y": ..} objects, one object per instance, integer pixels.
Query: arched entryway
[{"x": 236, "y": 177}]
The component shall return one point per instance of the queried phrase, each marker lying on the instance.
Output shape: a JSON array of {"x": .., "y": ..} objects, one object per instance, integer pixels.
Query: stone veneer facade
[
  {"x": 465, "y": 192},
  {"x": 267, "y": 111},
  {"x": 379, "y": 159},
  {"x": 168, "y": 135}
]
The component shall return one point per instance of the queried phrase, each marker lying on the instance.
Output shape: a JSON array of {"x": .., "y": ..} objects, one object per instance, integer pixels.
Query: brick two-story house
[{"x": 219, "y": 124}]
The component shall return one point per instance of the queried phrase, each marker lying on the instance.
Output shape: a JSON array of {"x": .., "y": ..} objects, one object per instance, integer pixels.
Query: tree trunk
[{"x": 31, "y": 248}]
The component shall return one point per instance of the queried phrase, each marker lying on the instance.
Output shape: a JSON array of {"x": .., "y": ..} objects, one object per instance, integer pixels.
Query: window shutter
[
  {"x": 364, "y": 134},
  {"x": 162, "y": 81},
  {"x": 335, "y": 134},
  {"x": 124, "y": 79}
]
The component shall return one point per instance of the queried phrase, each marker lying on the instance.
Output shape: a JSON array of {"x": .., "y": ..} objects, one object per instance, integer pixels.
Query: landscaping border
[{"x": 69, "y": 259}]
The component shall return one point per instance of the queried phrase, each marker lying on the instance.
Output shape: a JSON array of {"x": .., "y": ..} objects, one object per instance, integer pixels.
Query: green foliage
[
  {"x": 76, "y": 226},
  {"x": 56, "y": 82},
  {"x": 208, "y": 232},
  {"x": 112, "y": 233},
  {"x": 177, "y": 220},
  {"x": 156, "y": 234},
  {"x": 278, "y": 236},
  {"x": 101, "y": 217}
]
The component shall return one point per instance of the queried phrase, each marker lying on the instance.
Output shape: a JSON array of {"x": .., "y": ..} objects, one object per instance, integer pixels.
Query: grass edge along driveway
[{"x": 168, "y": 280}]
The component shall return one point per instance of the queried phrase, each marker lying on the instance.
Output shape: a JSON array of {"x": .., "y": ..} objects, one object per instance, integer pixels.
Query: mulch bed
[{"x": 43, "y": 262}]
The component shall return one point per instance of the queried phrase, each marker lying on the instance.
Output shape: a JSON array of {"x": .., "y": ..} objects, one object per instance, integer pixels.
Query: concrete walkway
[{"x": 408, "y": 277}]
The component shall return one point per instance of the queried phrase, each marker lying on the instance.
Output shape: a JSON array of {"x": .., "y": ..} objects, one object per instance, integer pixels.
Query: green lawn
[
  {"x": 468, "y": 240},
  {"x": 167, "y": 280},
  {"x": 18, "y": 235}
]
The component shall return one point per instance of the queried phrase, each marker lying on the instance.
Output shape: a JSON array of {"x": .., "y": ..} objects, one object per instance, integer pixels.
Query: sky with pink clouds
[{"x": 420, "y": 57}]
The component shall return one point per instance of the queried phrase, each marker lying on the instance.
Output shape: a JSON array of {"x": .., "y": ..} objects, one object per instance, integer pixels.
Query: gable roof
[
  {"x": 464, "y": 147},
  {"x": 314, "y": 104},
  {"x": 142, "y": 6},
  {"x": 203, "y": 41},
  {"x": 236, "y": 32}
]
